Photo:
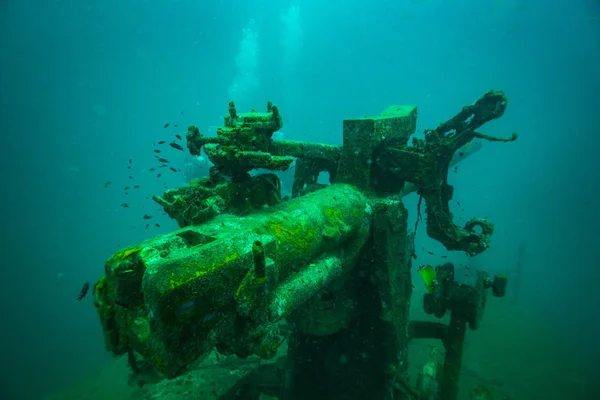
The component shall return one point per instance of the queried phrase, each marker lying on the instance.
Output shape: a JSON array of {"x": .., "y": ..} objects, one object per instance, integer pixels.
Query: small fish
[
  {"x": 175, "y": 125},
  {"x": 136, "y": 186},
  {"x": 157, "y": 151},
  {"x": 126, "y": 188},
  {"x": 167, "y": 125},
  {"x": 458, "y": 203},
  {"x": 146, "y": 216},
  {"x": 163, "y": 166},
  {"x": 158, "y": 176},
  {"x": 130, "y": 161},
  {"x": 152, "y": 169},
  {"x": 107, "y": 184},
  {"x": 129, "y": 167},
  {"x": 172, "y": 169},
  {"x": 130, "y": 177},
  {"x": 147, "y": 225},
  {"x": 461, "y": 154},
  {"x": 157, "y": 225},
  {"x": 176, "y": 146},
  {"x": 84, "y": 291},
  {"x": 124, "y": 205},
  {"x": 178, "y": 137},
  {"x": 429, "y": 252},
  {"x": 182, "y": 113},
  {"x": 162, "y": 142},
  {"x": 163, "y": 160},
  {"x": 126, "y": 193}
]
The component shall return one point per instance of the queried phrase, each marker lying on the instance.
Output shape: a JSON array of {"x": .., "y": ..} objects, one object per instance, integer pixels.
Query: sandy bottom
[
  {"x": 513, "y": 354},
  {"x": 519, "y": 357}
]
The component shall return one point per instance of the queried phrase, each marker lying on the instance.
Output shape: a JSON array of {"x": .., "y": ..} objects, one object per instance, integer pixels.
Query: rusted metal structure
[{"x": 328, "y": 271}]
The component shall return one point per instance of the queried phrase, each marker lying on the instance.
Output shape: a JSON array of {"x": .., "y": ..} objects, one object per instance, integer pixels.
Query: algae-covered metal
[
  {"x": 334, "y": 262},
  {"x": 174, "y": 297}
]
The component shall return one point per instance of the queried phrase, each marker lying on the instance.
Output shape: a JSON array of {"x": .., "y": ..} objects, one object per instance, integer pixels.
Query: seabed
[{"x": 494, "y": 356}]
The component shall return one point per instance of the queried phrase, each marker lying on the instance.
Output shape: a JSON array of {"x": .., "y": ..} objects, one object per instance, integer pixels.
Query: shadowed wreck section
[{"x": 322, "y": 280}]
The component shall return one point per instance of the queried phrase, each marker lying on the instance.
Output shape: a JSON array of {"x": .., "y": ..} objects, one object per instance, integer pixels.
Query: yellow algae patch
[
  {"x": 334, "y": 223},
  {"x": 123, "y": 254},
  {"x": 231, "y": 257},
  {"x": 200, "y": 269},
  {"x": 300, "y": 237},
  {"x": 429, "y": 276},
  {"x": 333, "y": 216}
]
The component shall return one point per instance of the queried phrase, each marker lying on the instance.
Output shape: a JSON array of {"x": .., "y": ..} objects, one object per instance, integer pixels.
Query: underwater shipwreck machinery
[
  {"x": 328, "y": 271},
  {"x": 466, "y": 305}
]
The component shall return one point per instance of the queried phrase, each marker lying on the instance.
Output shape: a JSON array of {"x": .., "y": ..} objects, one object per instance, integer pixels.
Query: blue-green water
[{"x": 86, "y": 88}]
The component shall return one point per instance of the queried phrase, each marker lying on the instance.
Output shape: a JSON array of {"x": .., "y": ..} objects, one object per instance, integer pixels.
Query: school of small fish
[{"x": 163, "y": 163}]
